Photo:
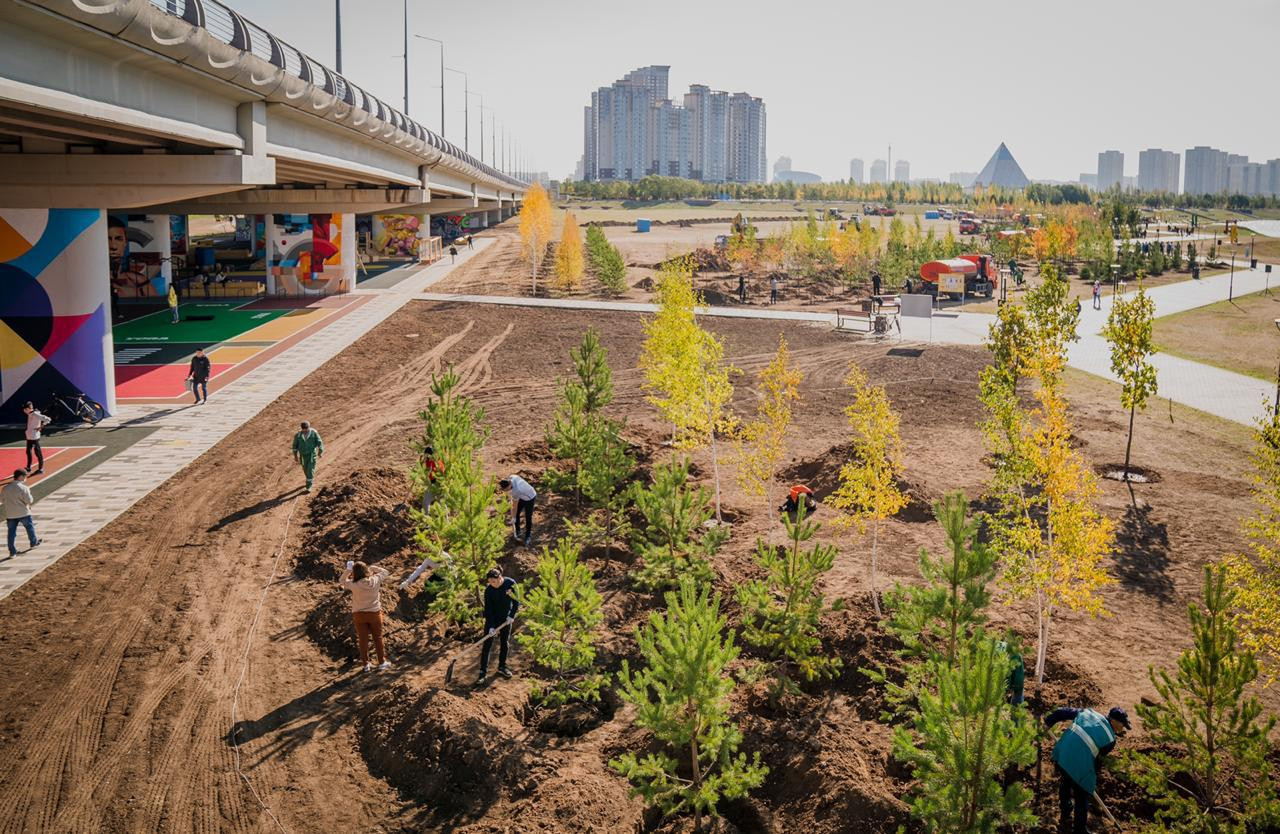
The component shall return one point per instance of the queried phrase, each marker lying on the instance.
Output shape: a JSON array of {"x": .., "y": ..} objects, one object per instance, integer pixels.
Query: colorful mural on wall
[
  {"x": 138, "y": 248},
  {"x": 310, "y": 254},
  {"x": 396, "y": 235},
  {"x": 55, "y": 333}
]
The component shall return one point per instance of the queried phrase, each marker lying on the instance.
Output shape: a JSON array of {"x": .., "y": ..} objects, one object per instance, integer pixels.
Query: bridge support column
[
  {"x": 495, "y": 217},
  {"x": 270, "y": 259},
  {"x": 55, "y": 307}
]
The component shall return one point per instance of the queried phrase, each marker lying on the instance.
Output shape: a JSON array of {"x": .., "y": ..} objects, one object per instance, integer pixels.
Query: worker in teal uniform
[
  {"x": 1090, "y": 737},
  {"x": 307, "y": 449}
]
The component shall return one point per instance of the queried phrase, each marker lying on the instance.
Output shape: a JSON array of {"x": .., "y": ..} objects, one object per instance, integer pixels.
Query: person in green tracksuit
[
  {"x": 1090, "y": 737},
  {"x": 307, "y": 449}
]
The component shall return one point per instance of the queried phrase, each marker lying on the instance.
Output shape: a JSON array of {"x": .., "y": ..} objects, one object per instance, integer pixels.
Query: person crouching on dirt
[
  {"x": 366, "y": 609},
  {"x": 434, "y": 470},
  {"x": 307, "y": 449},
  {"x": 500, "y": 605},
  {"x": 798, "y": 493},
  {"x": 1075, "y": 756},
  {"x": 523, "y": 497}
]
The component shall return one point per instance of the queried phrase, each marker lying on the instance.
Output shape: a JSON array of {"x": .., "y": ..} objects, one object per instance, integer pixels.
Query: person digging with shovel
[
  {"x": 1075, "y": 756},
  {"x": 500, "y": 605}
]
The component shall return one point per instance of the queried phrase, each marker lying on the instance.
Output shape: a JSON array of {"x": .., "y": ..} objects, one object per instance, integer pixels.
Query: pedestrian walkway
[{"x": 77, "y": 510}]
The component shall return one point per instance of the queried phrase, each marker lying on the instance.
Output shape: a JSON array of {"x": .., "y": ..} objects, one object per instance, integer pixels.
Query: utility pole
[
  {"x": 337, "y": 35},
  {"x": 406, "y": 57},
  {"x": 466, "y": 109},
  {"x": 438, "y": 41}
]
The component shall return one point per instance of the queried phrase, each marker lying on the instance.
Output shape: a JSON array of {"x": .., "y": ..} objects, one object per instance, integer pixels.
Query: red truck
[{"x": 979, "y": 271}]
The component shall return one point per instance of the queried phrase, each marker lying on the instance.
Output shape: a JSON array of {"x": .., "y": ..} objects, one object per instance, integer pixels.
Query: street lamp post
[
  {"x": 441, "y": 43},
  {"x": 406, "y": 57},
  {"x": 481, "y": 97},
  {"x": 466, "y": 109},
  {"x": 337, "y": 35},
  {"x": 1275, "y": 413}
]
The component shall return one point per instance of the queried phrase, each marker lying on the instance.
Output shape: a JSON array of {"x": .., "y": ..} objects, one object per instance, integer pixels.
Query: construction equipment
[
  {"x": 965, "y": 275},
  {"x": 448, "y": 673}
]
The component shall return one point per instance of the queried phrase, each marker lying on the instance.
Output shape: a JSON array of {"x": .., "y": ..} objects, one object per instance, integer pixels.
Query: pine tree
[
  {"x": 591, "y": 364},
  {"x": 674, "y": 512},
  {"x": 577, "y": 420},
  {"x": 682, "y": 697},
  {"x": 466, "y": 519},
  {"x": 868, "y": 492},
  {"x": 965, "y": 739},
  {"x": 1209, "y": 769},
  {"x": 561, "y": 614},
  {"x": 781, "y": 613},
  {"x": 606, "y": 262},
  {"x": 1255, "y": 573},
  {"x": 760, "y": 443},
  {"x": 1129, "y": 332},
  {"x": 607, "y": 465},
  {"x": 569, "y": 259}
]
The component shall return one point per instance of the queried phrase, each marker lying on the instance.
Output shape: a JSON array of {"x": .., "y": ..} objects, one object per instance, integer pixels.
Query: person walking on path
[
  {"x": 1075, "y": 756},
  {"x": 434, "y": 470},
  {"x": 199, "y": 376},
  {"x": 471, "y": 244},
  {"x": 453, "y": 254},
  {"x": 875, "y": 285},
  {"x": 742, "y": 289},
  {"x": 523, "y": 497},
  {"x": 35, "y": 422},
  {"x": 173, "y": 302},
  {"x": 307, "y": 449},
  {"x": 500, "y": 605},
  {"x": 17, "y": 500},
  {"x": 366, "y": 609},
  {"x": 773, "y": 290},
  {"x": 1097, "y": 295}
]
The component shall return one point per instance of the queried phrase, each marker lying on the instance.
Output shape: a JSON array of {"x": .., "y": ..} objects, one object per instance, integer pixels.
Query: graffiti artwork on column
[
  {"x": 399, "y": 235},
  {"x": 54, "y": 328},
  {"x": 135, "y": 246},
  {"x": 307, "y": 254},
  {"x": 178, "y": 240}
]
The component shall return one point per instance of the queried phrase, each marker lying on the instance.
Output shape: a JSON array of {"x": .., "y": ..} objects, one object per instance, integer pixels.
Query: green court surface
[{"x": 202, "y": 321}]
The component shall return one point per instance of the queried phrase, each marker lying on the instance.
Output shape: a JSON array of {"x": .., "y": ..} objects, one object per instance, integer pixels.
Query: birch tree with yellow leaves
[
  {"x": 535, "y": 228},
  {"x": 1255, "y": 572},
  {"x": 570, "y": 263},
  {"x": 868, "y": 491},
  {"x": 1049, "y": 535},
  {"x": 760, "y": 443},
  {"x": 686, "y": 376}
]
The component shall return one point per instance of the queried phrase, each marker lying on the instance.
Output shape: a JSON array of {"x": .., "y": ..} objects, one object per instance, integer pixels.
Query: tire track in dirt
[{"x": 476, "y": 370}]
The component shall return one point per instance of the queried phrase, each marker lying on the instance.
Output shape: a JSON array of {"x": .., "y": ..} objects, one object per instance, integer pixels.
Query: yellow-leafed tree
[
  {"x": 570, "y": 263},
  {"x": 868, "y": 492},
  {"x": 1255, "y": 573},
  {"x": 535, "y": 228},
  {"x": 686, "y": 376},
  {"x": 760, "y": 443}
]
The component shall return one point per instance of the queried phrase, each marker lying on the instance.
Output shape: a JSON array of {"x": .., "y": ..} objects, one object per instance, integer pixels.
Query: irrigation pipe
[{"x": 244, "y": 669}]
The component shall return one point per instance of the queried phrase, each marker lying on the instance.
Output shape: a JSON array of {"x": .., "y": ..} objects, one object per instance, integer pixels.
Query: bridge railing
[{"x": 232, "y": 29}]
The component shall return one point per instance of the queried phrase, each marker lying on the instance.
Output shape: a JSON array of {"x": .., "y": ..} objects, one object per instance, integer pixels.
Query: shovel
[
  {"x": 448, "y": 673},
  {"x": 1105, "y": 812}
]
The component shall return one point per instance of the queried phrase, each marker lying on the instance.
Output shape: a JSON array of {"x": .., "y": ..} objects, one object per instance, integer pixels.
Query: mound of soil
[
  {"x": 822, "y": 475},
  {"x": 364, "y": 517}
]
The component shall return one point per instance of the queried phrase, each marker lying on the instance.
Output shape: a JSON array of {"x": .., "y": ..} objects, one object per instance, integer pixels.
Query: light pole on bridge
[
  {"x": 466, "y": 109},
  {"x": 441, "y": 43}
]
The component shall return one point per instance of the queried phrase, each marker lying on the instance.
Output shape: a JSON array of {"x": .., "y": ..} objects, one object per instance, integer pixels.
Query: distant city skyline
[{"x": 538, "y": 94}]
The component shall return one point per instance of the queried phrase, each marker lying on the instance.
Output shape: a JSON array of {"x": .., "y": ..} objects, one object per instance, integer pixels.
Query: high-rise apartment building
[
  {"x": 783, "y": 164},
  {"x": 1110, "y": 170},
  {"x": 632, "y": 129},
  {"x": 879, "y": 172},
  {"x": 964, "y": 179},
  {"x": 1158, "y": 170},
  {"x": 855, "y": 171},
  {"x": 1246, "y": 178},
  {"x": 1206, "y": 170},
  {"x": 1273, "y": 177},
  {"x": 902, "y": 171}
]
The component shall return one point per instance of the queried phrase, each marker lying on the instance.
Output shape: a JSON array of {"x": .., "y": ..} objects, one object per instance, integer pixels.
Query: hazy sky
[{"x": 944, "y": 82}]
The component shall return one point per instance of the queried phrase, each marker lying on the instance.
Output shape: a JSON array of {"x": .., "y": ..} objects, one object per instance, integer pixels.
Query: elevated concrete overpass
[{"x": 158, "y": 109}]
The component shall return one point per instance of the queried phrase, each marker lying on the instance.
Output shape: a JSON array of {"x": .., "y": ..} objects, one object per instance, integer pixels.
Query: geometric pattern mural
[{"x": 55, "y": 308}]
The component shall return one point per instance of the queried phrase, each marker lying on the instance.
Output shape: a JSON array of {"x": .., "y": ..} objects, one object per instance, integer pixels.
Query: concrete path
[{"x": 77, "y": 510}]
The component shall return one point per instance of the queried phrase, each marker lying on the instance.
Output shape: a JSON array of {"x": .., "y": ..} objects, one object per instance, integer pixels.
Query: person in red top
[
  {"x": 434, "y": 470},
  {"x": 798, "y": 493}
]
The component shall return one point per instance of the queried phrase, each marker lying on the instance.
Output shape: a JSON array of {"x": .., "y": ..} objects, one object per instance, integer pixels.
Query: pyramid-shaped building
[{"x": 1002, "y": 170}]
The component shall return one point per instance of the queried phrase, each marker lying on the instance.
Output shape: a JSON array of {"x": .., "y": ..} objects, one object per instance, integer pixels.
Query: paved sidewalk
[{"x": 79, "y": 509}]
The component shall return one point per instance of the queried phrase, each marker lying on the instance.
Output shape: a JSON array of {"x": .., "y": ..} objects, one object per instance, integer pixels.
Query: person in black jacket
[
  {"x": 500, "y": 605},
  {"x": 199, "y": 376}
]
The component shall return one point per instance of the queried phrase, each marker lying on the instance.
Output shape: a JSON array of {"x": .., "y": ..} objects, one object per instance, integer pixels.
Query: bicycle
[{"x": 77, "y": 407}]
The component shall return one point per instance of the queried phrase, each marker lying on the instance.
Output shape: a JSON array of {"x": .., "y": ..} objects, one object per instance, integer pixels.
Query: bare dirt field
[{"x": 124, "y": 659}]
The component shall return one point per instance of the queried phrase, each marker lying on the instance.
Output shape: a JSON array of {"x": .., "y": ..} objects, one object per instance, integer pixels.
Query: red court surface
[
  {"x": 137, "y": 382},
  {"x": 239, "y": 353},
  {"x": 56, "y": 458}
]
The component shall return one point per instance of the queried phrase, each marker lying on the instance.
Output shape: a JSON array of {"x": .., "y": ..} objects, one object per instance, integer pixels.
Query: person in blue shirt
[
  {"x": 1075, "y": 756},
  {"x": 500, "y": 605}
]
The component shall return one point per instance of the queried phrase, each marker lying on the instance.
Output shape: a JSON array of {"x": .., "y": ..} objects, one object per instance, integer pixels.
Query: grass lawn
[
  {"x": 629, "y": 210},
  {"x": 1237, "y": 335}
]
